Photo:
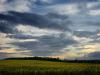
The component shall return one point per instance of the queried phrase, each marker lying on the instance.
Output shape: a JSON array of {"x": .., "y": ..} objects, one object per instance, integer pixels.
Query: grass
[{"x": 36, "y": 67}]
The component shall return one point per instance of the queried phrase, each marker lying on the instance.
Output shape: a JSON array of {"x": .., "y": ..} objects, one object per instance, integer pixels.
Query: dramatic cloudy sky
[{"x": 57, "y": 28}]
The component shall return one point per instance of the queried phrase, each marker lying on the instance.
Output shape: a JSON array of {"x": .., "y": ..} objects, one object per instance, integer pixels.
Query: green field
[{"x": 36, "y": 67}]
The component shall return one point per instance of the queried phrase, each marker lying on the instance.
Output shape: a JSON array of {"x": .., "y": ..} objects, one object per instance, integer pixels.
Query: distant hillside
[
  {"x": 54, "y": 59},
  {"x": 35, "y": 58}
]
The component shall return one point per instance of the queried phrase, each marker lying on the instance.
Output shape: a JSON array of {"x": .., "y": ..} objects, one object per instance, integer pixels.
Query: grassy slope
[{"x": 36, "y": 67}]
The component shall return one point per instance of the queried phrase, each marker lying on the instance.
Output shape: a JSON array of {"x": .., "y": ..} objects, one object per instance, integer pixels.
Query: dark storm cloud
[
  {"x": 1, "y": 48},
  {"x": 41, "y": 21},
  {"x": 95, "y": 38},
  {"x": 21, "y": 36},
  {"x": 56, "y": 16},
  {"x": 94, "y": 23},
  {"x": 22, "y": 28},
  {"x": 52, "y": 2},
  {"x": 86, "y": 33},
  {"x": 46, "y": 2},
  {"x": 46, "y": 45},
  {"x": 94, "y": 55},
  {"x": 7, "y": 27},
  {"x": 3, "y": 55}
]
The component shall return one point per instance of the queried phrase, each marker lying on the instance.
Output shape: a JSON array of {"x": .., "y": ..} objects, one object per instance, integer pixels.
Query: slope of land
[{"x": 40, "y": 67}]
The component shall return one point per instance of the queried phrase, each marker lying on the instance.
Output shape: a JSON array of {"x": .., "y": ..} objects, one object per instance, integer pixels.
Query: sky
[{"x": 68, "y": 29}]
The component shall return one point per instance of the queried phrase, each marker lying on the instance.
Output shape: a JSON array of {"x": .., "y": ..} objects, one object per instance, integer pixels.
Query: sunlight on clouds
[
  {"x": 4, "y": 39},
  {"x": 98, "y": 34},
  {"x": 34, "y": 31},
  {"x": 25, "y": 40},
  {"x": 5, "y": 42},
  {"x": 74, "y": 53},
  {"x": 95, "y": 12},
  {"x": 22, "y": 5},
  {"x": 15, "y": 5},
  {"x": 13, "y": 51},
  {"x": 8, "y": 53},
  {"x": 67, "y": 55},
  {"x": 2, "y": 5},
  {"x": 92, "y": 5},
  {"x": 69, "y": 9},
  {"x": 47, "y": 1},
  {"x": 82, "y": 39},
  {"x": 90, "y": 48}
]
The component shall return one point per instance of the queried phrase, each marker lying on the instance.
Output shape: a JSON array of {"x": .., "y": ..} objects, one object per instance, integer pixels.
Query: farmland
[{"x": 40, "y": 67}]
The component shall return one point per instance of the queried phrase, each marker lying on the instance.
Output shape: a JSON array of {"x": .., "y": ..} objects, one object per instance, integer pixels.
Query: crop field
[{"x": 37, "y": 67}]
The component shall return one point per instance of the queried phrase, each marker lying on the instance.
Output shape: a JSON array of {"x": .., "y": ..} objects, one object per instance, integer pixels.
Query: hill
[{"x": 41, "y": 67}]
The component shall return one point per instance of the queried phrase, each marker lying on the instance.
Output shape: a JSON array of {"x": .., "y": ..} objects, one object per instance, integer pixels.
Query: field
[{"x": 36, "y": 67}]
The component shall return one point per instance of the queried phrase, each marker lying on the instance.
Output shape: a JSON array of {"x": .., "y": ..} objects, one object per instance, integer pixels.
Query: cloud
[
  {"x": 31, "y": 19},
  {"x": 85, "y": 33},
  {"x": 46, "y": 45},
  {"x": 95, "y": 12},
  {"x": 84, "y": 23},
  {"x": 58, "y": 28},
  {"x": 35, "y": 31},
  {"x": 68, "y": 55},
  {"x": 94, "y": 55},
  {"x": 12, "y": 51},
  {"x": 2, "y": 5},
  {"x": 93, "y": 5},
  {"x": 67, "y": 9},
  {"x": 11, "y": 55},
  {"x": 37, "y": 39},
  {"x": 49, "y": 41},
  {"x": 21, "y": 6},
  {"x": 81, "y": 52},
  {"x": 55, "y": 2},
  {"x": 94, "y": 8},
  {"x": 90, "y": 48},
  {"x": 32, "y": 5},
  {"x": 8, "y": 50}
]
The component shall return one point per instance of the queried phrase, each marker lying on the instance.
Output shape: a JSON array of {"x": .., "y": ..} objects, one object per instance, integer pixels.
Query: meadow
[{"x": 39, "y": 67}]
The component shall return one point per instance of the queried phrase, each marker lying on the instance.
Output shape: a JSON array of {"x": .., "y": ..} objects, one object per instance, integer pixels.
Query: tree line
[{"x": 54, "y": 59}]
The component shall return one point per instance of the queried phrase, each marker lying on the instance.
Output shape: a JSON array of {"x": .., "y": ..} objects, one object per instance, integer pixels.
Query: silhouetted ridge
[
  {"x": 54, "y": 59},
  {"x": 35, "y": 58}
]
